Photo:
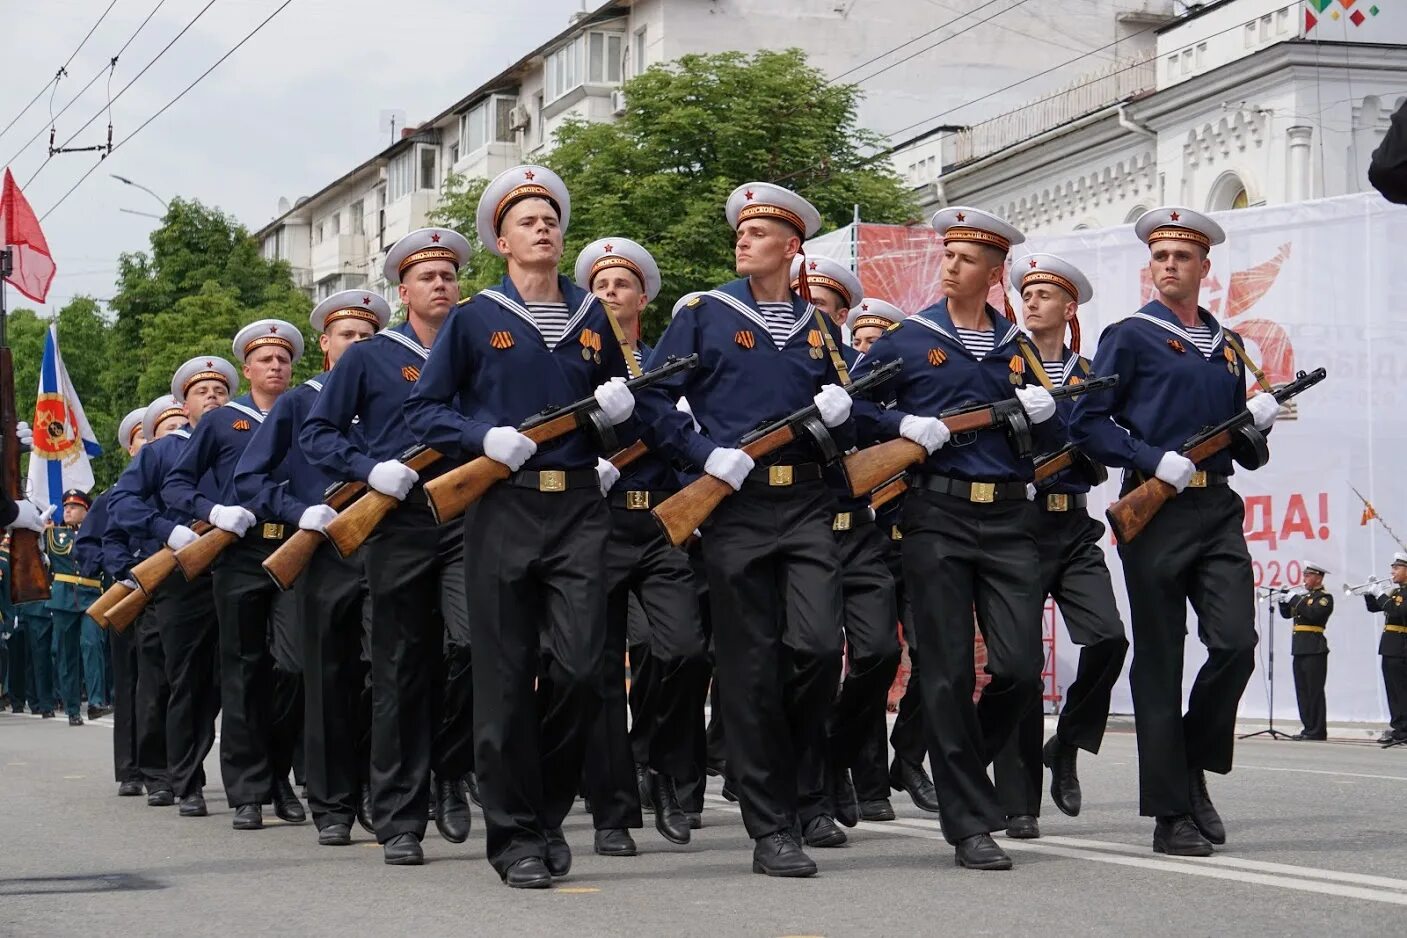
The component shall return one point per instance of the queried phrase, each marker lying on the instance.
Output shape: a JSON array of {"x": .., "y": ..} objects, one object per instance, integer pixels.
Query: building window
[
  {"x": 429, "y": 163},
  {"x": 1228, "y": 192},
  {"x": 486, "y": 122},
  {"x": 400, "y": 176},
  {"x": 638, "y": 54},
  {"x": 317, "y": 233},
  {"x": 356, "y": 212},
  {"x": 593, "y": 57},
  {"x": 334, "y": 227},
  {"x": 453, "y": 154}
]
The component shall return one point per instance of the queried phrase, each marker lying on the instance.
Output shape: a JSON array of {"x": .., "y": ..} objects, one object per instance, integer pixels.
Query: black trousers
[
  {"x": 331, "y": 601},
  {"x": 642, "y": 566},
  {"x": 1395, "y": 683},
  {"x": 124, "y": 705},
  {"x": 960, "y": 557},
  {"x": 415, "y": 574},
  {"x": 1192, "y": 551},
  {"x": 774, "y": 585},
  {"x": 183, "y": 614},
  {"x": 536, "y": 582},
  {"x": 261, "y": 679},
  {"x": 871, "y": 640},
  {"x": 1072, "y": 571},
  {"x": 1311, "y": 672}
]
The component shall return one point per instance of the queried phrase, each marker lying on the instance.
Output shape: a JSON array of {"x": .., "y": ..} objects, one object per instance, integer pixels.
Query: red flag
[{"x": 19, "y": 229}]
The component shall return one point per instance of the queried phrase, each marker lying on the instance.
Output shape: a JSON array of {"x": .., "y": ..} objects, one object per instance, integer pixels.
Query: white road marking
[
  {"x": 1276, "y": 768},
  {"x": 1234, "y": 869}
]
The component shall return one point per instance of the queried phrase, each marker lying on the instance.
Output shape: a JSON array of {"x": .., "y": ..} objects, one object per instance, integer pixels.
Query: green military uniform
[
  {"x": 70, "y": 595},
  {"x": 15, "y": 683},
  {"x": 1310, "y": 612},
  {"x": 32, "y": 653}
]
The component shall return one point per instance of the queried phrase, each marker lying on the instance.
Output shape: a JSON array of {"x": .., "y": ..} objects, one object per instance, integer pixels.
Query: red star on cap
[
  {"x": 865, "y": 307},
  {"x": 961, "y": 216},
  {"x": 273, "y": 330},
  {"x": 366, "y": 301},
  {"x": 748, "y": 194},
  {"x": 209, "y": 364},
  {"x": 1174, "y": 216},
  {"x": 528, "y": 175},
  {"x": 435, "y": 238},
  {"x": 813, "y": 265},
  {"x": 608, "y": 248},
  {"x": 1034, "y": 265}
]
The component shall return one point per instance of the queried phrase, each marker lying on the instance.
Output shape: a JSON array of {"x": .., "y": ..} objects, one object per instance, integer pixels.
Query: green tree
[{"x": 693, "y": 131}]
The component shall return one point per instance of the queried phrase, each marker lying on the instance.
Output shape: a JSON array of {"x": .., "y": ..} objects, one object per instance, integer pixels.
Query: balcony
[{"x": 340, "y": 254}]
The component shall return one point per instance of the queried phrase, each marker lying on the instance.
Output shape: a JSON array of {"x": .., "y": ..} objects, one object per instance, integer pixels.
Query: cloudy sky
[{"x": 296, "y": 106}]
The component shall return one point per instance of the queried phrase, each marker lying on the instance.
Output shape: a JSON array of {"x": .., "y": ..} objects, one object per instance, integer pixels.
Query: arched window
[
  {"x": 1134, "y": 214},
  {"x": 1228, "y": 192}
]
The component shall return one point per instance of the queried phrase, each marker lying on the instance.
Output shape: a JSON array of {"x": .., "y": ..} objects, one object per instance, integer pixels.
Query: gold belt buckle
[
  {"x": 1198, "y": 480},
  {"x": 983, "y": 493},
  {"x": 779, "y": 475},
  {"x": 895, "y": 534},
  {"x": 842, "y": 522},
  {"x": 1057, "y": 502},
  {"x": 552, "y": 480},
  {"x": 273, "y": 532},
  {"x": 637, "y": 501}
]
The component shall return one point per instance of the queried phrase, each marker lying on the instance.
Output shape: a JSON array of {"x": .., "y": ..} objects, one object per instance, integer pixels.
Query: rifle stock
[
  {"x": 286, "y": 564},
  {"x": 153, "y": 571},
  {"x": 1130, "y": 514},
  {"x": 124, "y": 613},
  {"x": 29, "y": 581},
  {"x": 1058, "y": 463},
  {"x": 682, "y": 513},
  {"x": 197, "y": 556},
  {"x": 622, "y": 458},
  {"x": 451, "y": 494},
  {"x": 111, "y": 597},
  {"x": 888, "y": 492}
]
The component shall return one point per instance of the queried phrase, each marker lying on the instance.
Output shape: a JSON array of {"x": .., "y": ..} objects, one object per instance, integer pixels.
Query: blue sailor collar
[
  {"x": 936, "y": 318},
  {"x": 578, "y": 300},
  {"x": 245, "y": 405},
  {"x": 737, "y": 294},
  {"x": 404, "y": 334},
  {"x": 1159, "y": 315}
]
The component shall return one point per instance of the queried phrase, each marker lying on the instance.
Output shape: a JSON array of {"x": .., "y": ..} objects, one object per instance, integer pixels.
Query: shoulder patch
[
  {"x": 240, "y": 425},
  {"x": 894, "y": 325},
  {"x": 694, "y": 301},
  {"x": 410, "y": 373}
]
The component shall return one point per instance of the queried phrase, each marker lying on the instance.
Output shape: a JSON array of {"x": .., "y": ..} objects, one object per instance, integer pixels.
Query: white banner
[{"x": 1307, "y": 285}]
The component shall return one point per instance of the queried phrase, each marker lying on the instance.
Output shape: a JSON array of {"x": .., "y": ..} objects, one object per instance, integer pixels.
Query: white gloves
[
  {"x": 1264, "y": 409},
  {"x": 130, "y": 584},
  {"x": 508, "y": 446},
  {"x": 316, "y": 517},
  {"x": 1383, "y": 587},
  {"x": 833, "y": 404},
  {"x": 1037, "y": 403},
  {"x": 683, "y": 405},
  {"x": 1030, "y": 492},
  {"x": 607, "y": 473},
  {"x": 180, "y": 536},
  {"x": 615, "y": 400},
  {"x": 30, "y": 517},
  {"x": 928, "y": 432},
  {"x": 232, "y": 518},
  {"x": 24, "y": 434},
  {"x": 1176, "y": 470},
  {"x": 393, "y": 478},
  {"x": 730, "y": 465}
]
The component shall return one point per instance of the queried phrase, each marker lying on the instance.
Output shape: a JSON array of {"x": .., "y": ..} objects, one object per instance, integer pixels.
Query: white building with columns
[
  {"x": 912, "y": 60},
  {"x": 1242, "y": 102}
]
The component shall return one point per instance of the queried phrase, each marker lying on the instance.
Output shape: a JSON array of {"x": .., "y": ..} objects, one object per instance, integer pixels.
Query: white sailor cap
[
  {"x": 875, "y": 312},
  {"x": 1175, "y": 223},
  {"x": 425, "y": 244},
  {"x": 765, "y": 200},
  {"x": 158, "y": 410},
  {"x": 266, "y": 332},
  {"x": 1311, "y": 567},
  {"x": 365, "y": 305},
  {"x": 1047, "y": 268},
  {"x": 1399, "y": 558},
  {"x": 129, "y": 426},
  {"x": 608, "y": 253},
  {"x": 512, "y": 186},
  {"x": 688, "y": 299},
  {"x": 961, "y": 223},
  {"x": 202, "y": 368},
  {"x": 824, "y": 272}
]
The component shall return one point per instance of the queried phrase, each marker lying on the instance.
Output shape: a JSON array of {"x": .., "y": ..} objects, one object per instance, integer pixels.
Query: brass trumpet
[{"x": 1372, "y": 584}]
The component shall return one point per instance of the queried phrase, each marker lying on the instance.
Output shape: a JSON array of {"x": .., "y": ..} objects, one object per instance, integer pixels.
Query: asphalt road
[{"x": 1317, "y": 844}]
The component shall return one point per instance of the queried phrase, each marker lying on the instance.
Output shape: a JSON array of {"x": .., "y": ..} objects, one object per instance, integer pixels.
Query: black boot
[
  {"x": 1203, "y": 811},
  {"x": 670, "y": 819},
  {"x": 286, "y": 803},
  {"x": 614, "y": 842},
  {"x": 778, "y": 854},
  {"x": 847, "y": 805},
  {"x": 452, "y": 820},
  {"x": 910, "y": 777},
  {"x": 364, "y": 809},
  {"x": 403, "y": 850},
  {"x": 821, "y": 832},
  {"x": 1064, "y": 781},
  {"x": 1177, "y": 836},
  {"x": 1023, "y": 827},
  {"x": 980, "y": 852}
]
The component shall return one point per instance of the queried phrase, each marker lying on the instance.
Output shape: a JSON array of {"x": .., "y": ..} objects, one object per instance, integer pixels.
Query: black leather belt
[
  {"x": 1199, "y": 480},
  {"x": 782, "y": 476},
  {"x": 1059, "y": 501},
  {"x": 846, "y": 520},
  {"x": 979, "y": 492},
  {"x": 637, "y": 500},
  {"x": 555, "y": 480}
]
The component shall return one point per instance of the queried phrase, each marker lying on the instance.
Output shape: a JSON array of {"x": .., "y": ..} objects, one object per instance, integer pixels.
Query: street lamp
[{"x": 138, "y": 185}]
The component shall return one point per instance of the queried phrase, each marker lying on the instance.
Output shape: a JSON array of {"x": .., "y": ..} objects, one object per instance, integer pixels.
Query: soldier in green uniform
[
  {"x": 14, "y": 690},
  {"x": 1391, "y": 598},
  {"x": 69, "y": 596},
  {"x": 34, "y": 628},
  {"x": 1310, "y": 609}
]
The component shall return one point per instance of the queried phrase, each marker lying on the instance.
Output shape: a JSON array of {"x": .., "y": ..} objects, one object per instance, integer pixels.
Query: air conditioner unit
[
  {"x": 519, "y": 118},
  {"x": 617, "y": 103}
]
